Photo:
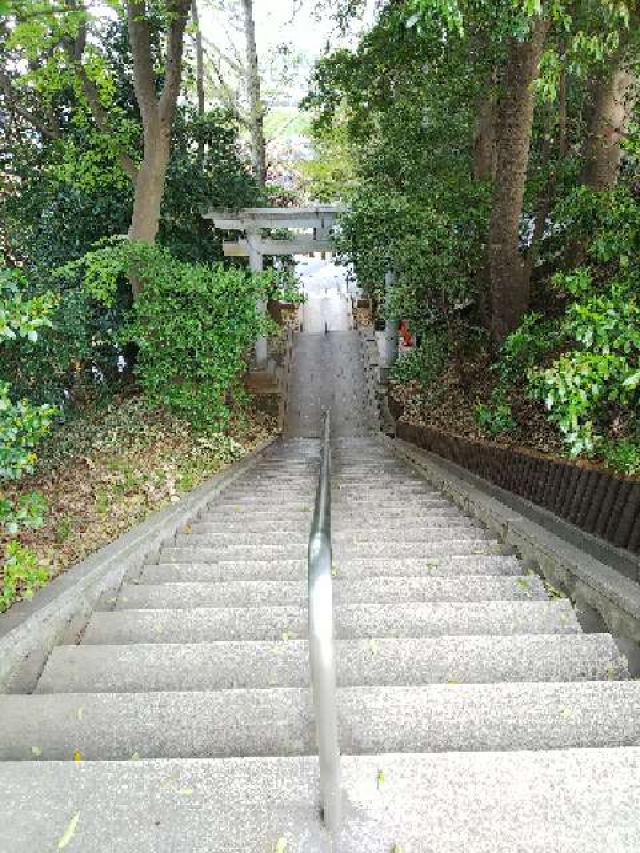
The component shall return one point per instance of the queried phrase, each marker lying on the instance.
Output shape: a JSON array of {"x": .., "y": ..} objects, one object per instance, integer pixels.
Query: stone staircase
[{"x": 474, "y": 714}]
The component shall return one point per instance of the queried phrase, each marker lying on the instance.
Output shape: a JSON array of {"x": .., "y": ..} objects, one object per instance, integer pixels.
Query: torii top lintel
[{"x": 320, "y": 218}]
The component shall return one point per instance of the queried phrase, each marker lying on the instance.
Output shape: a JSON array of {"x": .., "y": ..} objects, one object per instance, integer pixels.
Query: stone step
[
  {"x": 195, "y": 553},
  {"x": 196, "y": 537},
  {"x": 431, "y": 547},
  {"x": 352, "y": 539},
  {"x": 433, "y": 718},
  {"x": 416, "y": 619},
  {"x": 253, "y": 506},
  {"x": 232, "y": 570},
  {"x": 378, "y": 661},
  {"x": 236, "y": 512},
  {"x": 280, "y": 524},
  {"x": 402, "y": 513},
  {"x": 259, "y": 593},
  {"x": 557, "y": 801}
]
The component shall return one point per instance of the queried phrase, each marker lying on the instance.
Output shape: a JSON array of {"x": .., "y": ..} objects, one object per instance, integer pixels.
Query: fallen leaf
[
  {"x": 281, "y": 845},
  {"x": 77, "y": 756},
  {"x": 380, "y": 779},
  {"x": 36, "y": 750},
  {"x": 69, "y": 832}
]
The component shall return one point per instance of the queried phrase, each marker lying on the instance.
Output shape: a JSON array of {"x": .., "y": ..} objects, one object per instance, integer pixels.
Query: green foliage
[
  {"x": 414, "y": 206},
  {"x": 22, "y": 425},
  {"x": 193, "y": 324},
  {"x": 595, "y": 380},
  {"x": 22, "y": 574},
  {"x": 526, "y": 348},
  {"x": 27, "y": 512},
  {"x": 623, "y": 455},
  {"x": 497, "y": 418},
  {"x": 425, "y": 363}
]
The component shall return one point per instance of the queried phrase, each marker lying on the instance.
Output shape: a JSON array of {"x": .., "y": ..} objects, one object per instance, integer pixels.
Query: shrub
[
  {"x": 193, "y": 324},
  {"x": 424, "y": 363},
  {"x": 22, "y": 574}
]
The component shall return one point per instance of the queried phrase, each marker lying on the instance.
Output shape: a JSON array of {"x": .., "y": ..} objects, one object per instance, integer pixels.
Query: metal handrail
[{"x": 321, "y": 643}]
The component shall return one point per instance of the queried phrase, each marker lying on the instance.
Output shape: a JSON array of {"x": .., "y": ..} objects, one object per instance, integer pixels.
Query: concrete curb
[
  {"x": 59, "y": 612},
  {"x": 603, "y": 596}
]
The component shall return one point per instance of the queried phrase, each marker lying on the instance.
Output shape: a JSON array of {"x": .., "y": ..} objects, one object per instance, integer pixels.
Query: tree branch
[
  {"x": 12, "y": 100},
  {"x": 144, "y": 78},
  {"x": 179, "y": 11}
]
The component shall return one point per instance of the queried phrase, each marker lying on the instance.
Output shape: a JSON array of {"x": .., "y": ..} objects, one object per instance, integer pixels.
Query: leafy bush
[
  {"x": 194, "y": 325},
  {"x": 598, "y": 378},
  {"x": 495, "y": 419},
  {"x": 424, "y": 363},
  {"x": 622, "y": 455},
  {"x": 22, "y": 574}
]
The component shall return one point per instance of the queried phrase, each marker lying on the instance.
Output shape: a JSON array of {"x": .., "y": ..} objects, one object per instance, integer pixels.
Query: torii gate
[{"x": 320, "y": 220}]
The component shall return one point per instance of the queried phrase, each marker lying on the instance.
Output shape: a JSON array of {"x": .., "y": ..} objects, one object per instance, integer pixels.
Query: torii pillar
[{"x": 256, "y": 265}]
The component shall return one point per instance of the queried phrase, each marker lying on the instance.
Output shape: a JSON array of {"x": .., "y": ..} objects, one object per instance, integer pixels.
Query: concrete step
[
  {"x": 221, "y": 538},
  {"x": 277, "y": 525},
  {"x": 236, "y": 512},
  {"x": 558, "y": 801},
  {"x": 201, "y": 553},
  {"x": 433, "y": 718},
  {"x": 198, "y": 554},
  {"x": 254, "y": 506},
  {"x": 378, "y": 661},
  {"x": 416, "y": 619},
  {"x": 232, "y": 570},
  {"x": 352, "y": 525},
  {"x": 225, "y": 571},
  {"x": 432, "y": 547},
  {"x": 254, "y": 490},
  {"x": 211, "y": 522},
  {"x": 395, "y": 512},
  {"x": 353, "y": 539},
  {"x": 259, "y": 593}
]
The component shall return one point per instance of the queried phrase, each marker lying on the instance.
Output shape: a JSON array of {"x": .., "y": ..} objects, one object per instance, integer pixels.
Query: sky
[{"x": 278, "y": 22}]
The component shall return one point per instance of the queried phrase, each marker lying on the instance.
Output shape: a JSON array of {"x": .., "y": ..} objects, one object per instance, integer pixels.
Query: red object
[{"x": 406, "y": 334}]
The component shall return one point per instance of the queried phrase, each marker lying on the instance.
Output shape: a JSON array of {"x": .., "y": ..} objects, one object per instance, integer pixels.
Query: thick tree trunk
[
  {"x": 157, "y": 114},
  {"x": 613, "y": 100},
  {"x": 484, "y": 141},
  {"x": 149, "y": 185},
  {"x": 509, "y": 281},
  {"x": 256, "y": 110}
]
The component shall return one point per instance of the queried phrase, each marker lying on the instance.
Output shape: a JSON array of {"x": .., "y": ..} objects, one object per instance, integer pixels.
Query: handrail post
[{"x": 321, "y": 640}]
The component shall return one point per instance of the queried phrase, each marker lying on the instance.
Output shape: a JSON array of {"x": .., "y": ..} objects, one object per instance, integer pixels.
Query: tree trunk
[
  {"x": 199, "y": 57},
  {"x": 149, "y": 186},
  {"x": 484, "y": 142},
  {"x": 157, "y": 114},
  {"x": 613, "y": 100},
  {"x": 256, "y": 111},
  {"x": 509, "y": 281}
]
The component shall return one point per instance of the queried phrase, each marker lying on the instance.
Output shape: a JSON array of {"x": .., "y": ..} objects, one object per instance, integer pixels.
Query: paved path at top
[{"x": 327, "y": 367}]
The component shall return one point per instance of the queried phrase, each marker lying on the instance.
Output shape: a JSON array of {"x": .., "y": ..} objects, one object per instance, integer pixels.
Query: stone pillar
[
  {"x": 390, "y": 354},
  {"x": 255, "y": 263}
]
